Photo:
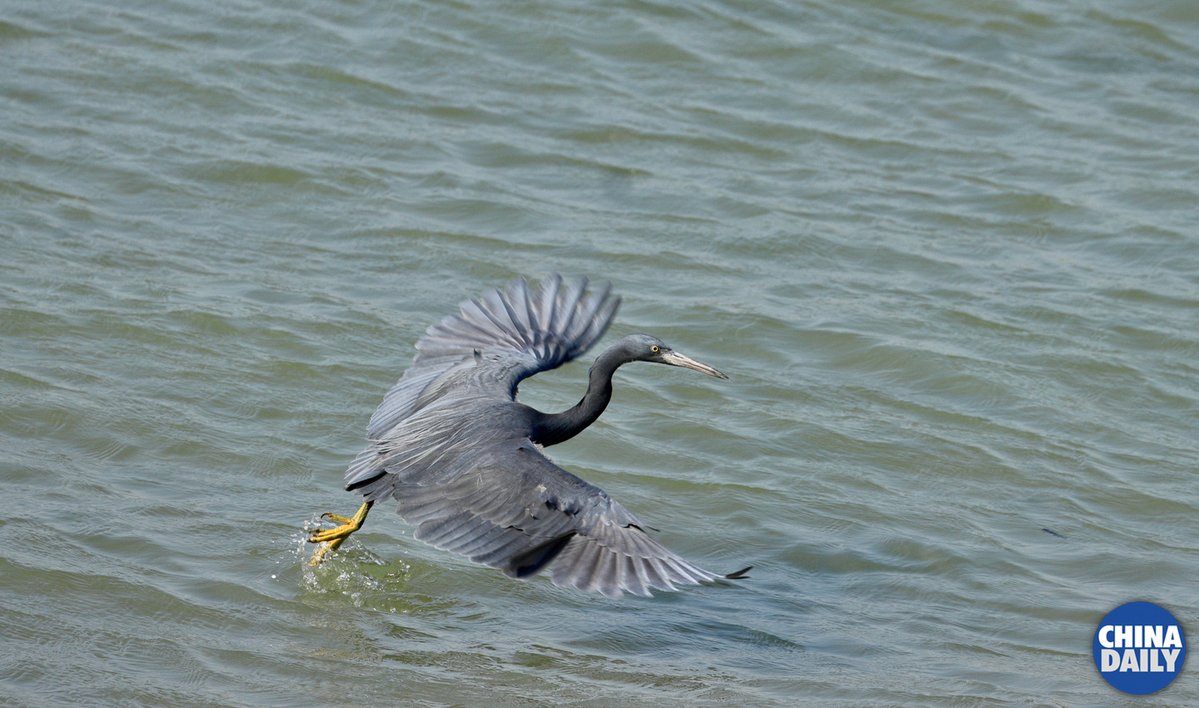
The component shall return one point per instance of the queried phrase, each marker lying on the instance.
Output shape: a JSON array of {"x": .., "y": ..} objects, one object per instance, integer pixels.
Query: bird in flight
[{"x": 464, "y": 458}]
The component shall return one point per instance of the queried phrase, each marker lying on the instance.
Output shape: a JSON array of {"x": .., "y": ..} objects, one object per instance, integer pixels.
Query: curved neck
[{"x": 553, "y": 428}]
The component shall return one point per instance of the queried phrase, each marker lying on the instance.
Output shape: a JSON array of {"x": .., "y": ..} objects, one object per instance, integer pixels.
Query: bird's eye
[{"x": 654, "y": 349}]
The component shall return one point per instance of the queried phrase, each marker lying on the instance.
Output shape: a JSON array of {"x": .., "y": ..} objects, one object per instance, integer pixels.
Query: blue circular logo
[{"x": 1139, "y": 648}]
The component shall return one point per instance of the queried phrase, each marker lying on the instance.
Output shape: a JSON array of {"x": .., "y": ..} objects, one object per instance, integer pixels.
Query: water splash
[{"x": 352, "y": 571}]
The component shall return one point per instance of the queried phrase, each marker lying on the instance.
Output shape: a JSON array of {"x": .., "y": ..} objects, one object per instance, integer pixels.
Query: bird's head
[{"x": 643, "y": 347}]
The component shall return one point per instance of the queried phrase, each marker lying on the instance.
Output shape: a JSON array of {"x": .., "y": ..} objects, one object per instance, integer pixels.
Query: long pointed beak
[{"x": 675, "y": 359}]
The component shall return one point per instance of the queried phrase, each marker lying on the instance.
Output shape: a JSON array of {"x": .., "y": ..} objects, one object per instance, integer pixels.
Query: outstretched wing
[
  {"x": 517, "y": 332},
  {"x": 514, "y": 509}
]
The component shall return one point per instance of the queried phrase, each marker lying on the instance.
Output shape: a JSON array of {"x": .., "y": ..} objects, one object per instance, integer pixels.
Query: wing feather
[
  {"x": 568, "y": 305},
  {"x": 514, "y": 509},
  {"x": 522, "y": 332}
]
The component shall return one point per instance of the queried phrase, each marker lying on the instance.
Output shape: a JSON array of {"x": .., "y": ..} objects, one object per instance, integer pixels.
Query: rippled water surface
[{"x": 946, "y": 251}]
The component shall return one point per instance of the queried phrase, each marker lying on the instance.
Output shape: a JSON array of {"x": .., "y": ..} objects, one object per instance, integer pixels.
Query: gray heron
[{"x": 464, "y": 458}]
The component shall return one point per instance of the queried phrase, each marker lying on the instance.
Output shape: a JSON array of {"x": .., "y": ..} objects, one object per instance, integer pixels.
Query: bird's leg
[{"x": 334, "y": 537}]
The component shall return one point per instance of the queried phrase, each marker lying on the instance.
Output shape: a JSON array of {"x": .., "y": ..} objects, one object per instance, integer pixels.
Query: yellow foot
[
  {"x": 334, "y": 537},
  {"x": 344, "y": 520}
]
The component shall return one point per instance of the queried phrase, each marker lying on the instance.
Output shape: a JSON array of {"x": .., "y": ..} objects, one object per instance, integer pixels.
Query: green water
[{"x": 946, "y": 251}]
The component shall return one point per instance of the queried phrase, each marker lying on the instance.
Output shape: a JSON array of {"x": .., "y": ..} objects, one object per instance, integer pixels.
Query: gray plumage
[{"x": 462, "y": 457}]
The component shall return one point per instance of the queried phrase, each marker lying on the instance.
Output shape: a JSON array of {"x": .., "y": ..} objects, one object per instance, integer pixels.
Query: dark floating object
[
  {"x": 1051, "y": 532},
  {"x": 451, "y": 443}
]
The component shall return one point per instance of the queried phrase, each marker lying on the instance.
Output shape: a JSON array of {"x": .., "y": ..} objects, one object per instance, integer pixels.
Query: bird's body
[{"x": 463, "y": 457}]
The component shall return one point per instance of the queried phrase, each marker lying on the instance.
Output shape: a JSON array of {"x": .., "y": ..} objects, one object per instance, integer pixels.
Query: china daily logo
[{"x": 1139, "y": 648}]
